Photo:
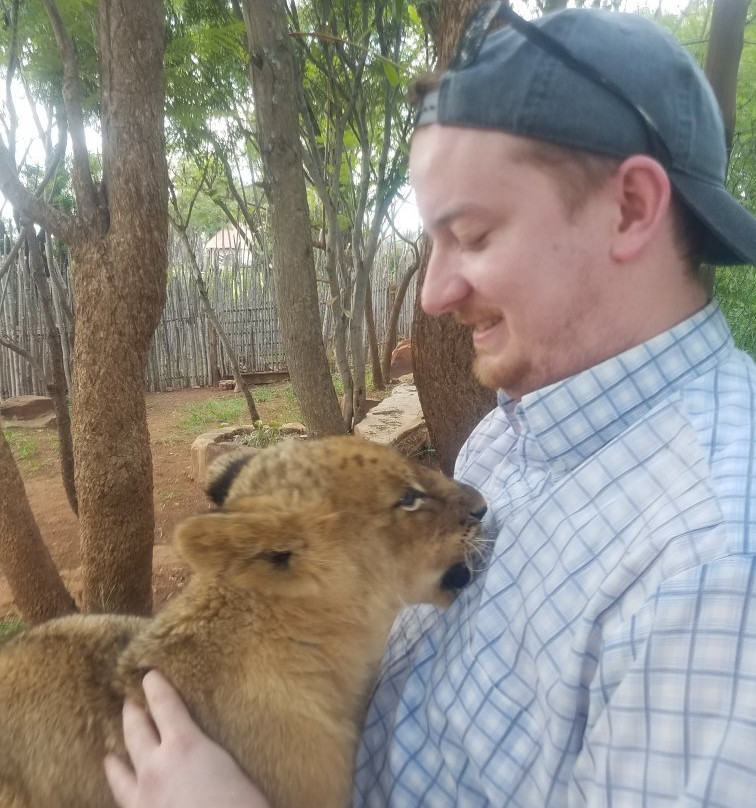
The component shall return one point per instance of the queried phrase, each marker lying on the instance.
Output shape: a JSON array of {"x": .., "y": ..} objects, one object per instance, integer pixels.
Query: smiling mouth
[
  {"x": 479, "y": 326},
  {"x": 456, "y": 577},
  {"x": 482, "y": 329}
]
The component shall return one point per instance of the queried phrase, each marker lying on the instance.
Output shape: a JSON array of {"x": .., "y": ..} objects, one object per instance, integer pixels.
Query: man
[{"x": 607, "y": 654}]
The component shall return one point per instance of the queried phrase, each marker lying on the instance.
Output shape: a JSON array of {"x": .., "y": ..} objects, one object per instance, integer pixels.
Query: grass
[
  {"x": 23, "y": 444},
  {"x": 276, "y": 404},
  {"x": 10, "y": 625},
  {"x": 201, "y": 416},
  {"x": 264, "y": 435},
  {"x": 28, "y": 447}
]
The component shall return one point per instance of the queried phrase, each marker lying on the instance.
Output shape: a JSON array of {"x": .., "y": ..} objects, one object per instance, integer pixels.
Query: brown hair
[{"x": 579, "y": 173}]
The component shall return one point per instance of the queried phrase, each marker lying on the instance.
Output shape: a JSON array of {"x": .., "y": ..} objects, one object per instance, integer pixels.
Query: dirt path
[{"x": 176, "y": 496}]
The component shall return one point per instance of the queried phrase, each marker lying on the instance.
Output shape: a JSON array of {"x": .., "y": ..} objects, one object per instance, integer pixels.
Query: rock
[
  {"x": 226, "y": 384},
  {"x": 401, "y": 359},
  {"x": 414, "y": 441},
  {"x": 209, "y": 445},
  {"x": 293, "y": 428},
  {"x": 394, "y": 418},
  {"x": 32, "y": 412}
]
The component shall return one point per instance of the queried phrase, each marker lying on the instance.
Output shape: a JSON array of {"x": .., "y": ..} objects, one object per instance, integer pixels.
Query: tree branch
[
  {"x": 16, "y": 348},
  {"x": 84, "y": 187},
  {"x": 29, "y": 205}
]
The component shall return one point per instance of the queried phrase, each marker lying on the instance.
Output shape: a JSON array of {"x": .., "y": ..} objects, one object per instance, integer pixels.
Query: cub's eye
[{"x": 412, "y": 500}]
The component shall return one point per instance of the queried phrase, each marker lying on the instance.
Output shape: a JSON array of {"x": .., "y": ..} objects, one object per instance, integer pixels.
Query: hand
[{"x": 175, "y": 764}]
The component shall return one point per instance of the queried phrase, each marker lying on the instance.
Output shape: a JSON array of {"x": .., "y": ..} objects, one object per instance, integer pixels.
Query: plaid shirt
[{"x": 607, "y": 655}]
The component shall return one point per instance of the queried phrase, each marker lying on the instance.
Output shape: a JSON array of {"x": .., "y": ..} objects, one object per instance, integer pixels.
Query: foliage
[
  {"x": 205, "y": 216},
  {"x": 204, "y": 66},
  {"x": 736, "y": 291},
  {"x": 40, "y": 64},
  {"x": 735, "y": 287},
  {"x": 262, "y": 436}
]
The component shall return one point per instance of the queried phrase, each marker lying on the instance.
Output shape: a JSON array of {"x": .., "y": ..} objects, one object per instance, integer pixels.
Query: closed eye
[
  {"x": 474, "y": 244},
  {"x": 471, "y": 239},
  {"x": 411, "y": 500}
]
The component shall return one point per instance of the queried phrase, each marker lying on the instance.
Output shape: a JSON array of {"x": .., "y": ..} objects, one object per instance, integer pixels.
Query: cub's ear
[
  {"x": 259, "y": 546},
  {"x": 222, "y": 472}
]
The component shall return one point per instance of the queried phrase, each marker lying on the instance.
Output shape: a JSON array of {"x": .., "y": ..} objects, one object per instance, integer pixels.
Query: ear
[
  {"x": 643, "y": 193},
  {"x": 259, "y": 536},
  {"x": 223, "y": 471}
]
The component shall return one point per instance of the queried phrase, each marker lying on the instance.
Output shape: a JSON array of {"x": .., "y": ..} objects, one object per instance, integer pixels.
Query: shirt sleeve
[{"x": 671, "y": 715}]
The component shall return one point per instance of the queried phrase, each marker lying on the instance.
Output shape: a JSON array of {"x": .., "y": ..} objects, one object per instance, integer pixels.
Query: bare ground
[{"x": 176, "y": 496}]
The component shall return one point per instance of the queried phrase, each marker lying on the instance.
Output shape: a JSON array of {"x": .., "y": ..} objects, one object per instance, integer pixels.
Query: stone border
[{"x": 209, "y": 445}]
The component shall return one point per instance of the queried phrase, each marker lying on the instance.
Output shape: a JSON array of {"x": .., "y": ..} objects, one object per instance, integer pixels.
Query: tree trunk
[
  {"x": 34, "y": 581},
  {"x": 57, "y": 386},
  {"x": 274, "y": 80},
  {"x": 218, "y": 328},
  {"x": 728, "y": 23},
  {"x": 452, "y": 399},
  {"x": 375, "y": 354},
  {"x": 119, "y": 279},
  {"x": 212, "y": 336},
  {"x": 396, "y": 310},
  {"x": 357, "y": 337}
]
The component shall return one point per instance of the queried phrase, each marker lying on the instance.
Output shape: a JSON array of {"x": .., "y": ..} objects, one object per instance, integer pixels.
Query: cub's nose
[
  {"x": 480, "y": 512},
  {"x": 477, "y": 504}
]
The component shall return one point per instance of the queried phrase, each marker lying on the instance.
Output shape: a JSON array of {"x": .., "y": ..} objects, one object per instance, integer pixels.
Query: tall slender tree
[
  {"x": 118, "y": 240},
  {"x": 274, "y": 84}
]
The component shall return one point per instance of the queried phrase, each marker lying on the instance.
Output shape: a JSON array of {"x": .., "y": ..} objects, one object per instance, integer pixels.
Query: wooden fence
[{"x": 185, "y": 347}]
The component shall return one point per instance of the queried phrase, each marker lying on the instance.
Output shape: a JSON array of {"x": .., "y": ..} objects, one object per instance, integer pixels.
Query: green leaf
[{"x": 392, "y": 74}]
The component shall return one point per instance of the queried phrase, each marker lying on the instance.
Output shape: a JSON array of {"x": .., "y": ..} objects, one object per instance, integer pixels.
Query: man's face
[{"x": 509, "y": 259}]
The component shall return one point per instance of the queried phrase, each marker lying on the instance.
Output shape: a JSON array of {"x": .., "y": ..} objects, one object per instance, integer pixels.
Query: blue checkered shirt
[{"x": 607, "y": 655}]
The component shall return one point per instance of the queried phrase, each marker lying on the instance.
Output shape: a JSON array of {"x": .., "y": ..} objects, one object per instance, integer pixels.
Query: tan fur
[{"x": 274, "y": 642}]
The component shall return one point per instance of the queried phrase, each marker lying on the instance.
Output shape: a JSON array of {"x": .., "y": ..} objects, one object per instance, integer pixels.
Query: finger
[
  {"x": 121, "y": 779},
  {"x": 139, "y": 733},
  {"x": 166, "y": 707}
]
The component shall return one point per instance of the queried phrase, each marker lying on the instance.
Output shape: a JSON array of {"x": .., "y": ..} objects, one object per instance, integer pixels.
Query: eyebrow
[{"x": 454, "y": 213}]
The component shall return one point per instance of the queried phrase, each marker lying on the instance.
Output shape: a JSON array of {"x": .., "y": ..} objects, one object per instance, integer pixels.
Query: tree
[
  {"x": 452, "y": 399},
  {"x": 274, "y": 85},
  {"x": 37, "y": 588},
  {"x": 118, "y": 240},
  {"x": 355, "y": 130},
  {"x": 723, "y": 57},
  {"x": 180, "y": 226},
  {"x": 715, "y": 33},
  {"x": 44, "y": 276}
]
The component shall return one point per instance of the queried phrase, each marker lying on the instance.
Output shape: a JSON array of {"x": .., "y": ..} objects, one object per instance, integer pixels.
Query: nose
[
  {"x": 444, "y": 288},
  {"x": 479, "y": 513},
  {"x": 476, "y": 502}
]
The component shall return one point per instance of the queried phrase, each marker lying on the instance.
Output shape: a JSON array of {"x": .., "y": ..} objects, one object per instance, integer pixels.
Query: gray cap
[{"x": 516, "y": 85}]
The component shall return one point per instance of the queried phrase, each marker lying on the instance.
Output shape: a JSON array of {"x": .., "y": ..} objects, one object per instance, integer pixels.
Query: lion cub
[{"x": 273, "y": 644}]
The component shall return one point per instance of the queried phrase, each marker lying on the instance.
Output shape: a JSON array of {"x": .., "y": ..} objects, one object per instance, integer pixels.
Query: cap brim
[{"x": 731, "y": 228}]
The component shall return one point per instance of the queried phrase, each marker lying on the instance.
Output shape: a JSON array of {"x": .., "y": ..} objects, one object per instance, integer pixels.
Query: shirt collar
[{"x": 573, "y": 418}]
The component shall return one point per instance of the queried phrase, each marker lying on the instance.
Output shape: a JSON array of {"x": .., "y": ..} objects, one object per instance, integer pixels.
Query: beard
[
  {"x": 503, "y": 373},
  {"x": 498, "y": 367}
]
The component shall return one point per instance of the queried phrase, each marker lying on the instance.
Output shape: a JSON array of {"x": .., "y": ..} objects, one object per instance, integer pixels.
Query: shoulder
[{"x": 720, "y": 407}]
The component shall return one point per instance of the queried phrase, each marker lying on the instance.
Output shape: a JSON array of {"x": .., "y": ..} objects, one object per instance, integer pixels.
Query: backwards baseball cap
[{"x": 610, "y": 83}]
